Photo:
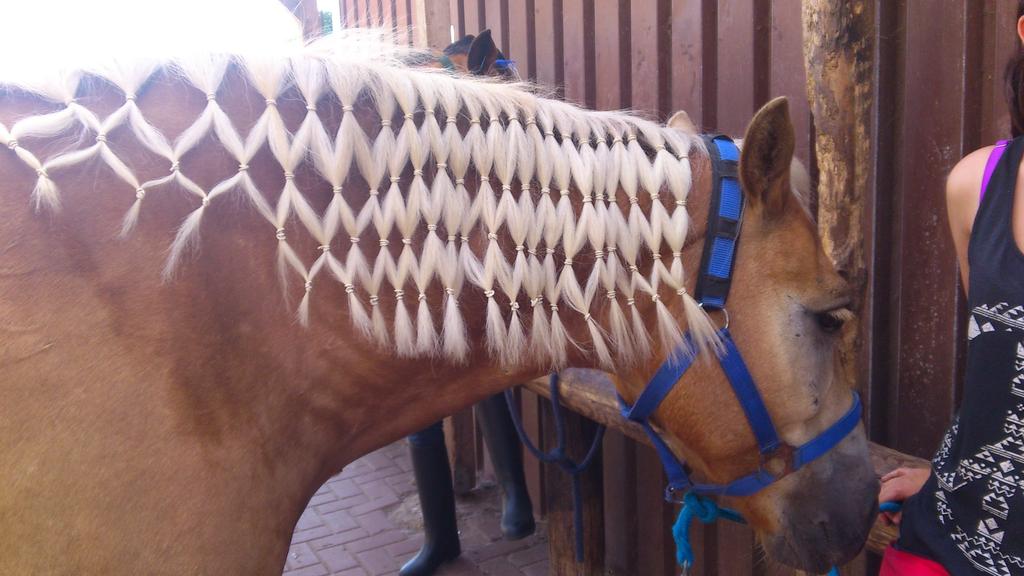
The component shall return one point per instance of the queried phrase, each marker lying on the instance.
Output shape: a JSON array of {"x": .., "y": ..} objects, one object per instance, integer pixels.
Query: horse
[
  {"x": 226, "y": 276},
  {"x": 475, "y": 54}
]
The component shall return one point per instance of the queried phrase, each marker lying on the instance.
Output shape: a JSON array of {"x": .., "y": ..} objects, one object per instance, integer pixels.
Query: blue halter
[{"x": 778, "y": 459}]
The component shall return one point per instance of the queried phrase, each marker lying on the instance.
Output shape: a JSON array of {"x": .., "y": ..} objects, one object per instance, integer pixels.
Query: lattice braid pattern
[{"x": 514, "y": 139}]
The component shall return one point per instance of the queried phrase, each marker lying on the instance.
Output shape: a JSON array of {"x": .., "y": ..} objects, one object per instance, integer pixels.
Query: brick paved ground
[{"x": 366, "y": 522}]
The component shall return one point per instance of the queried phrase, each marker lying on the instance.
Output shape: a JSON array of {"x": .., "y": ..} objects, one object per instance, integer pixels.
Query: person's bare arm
[{"x": 963, "y": 190}]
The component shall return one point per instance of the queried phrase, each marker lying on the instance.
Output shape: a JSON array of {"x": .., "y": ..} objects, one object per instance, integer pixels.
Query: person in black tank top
[{"x": 968, "y": 515}]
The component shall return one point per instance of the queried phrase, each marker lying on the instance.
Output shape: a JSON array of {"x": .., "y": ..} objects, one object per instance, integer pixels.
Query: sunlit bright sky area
[{"x": 40, "y": 33}]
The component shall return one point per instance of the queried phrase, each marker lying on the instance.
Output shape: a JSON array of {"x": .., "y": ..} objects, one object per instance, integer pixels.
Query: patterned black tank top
[{"x": 969, "y": 516}]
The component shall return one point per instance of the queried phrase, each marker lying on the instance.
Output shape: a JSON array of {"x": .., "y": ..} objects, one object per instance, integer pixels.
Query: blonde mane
[{"x": 530, "y": 157}]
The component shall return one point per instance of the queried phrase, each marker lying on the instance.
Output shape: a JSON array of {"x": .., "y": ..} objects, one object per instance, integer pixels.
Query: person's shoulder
[
  {"x": 963, "y": 189},
  {"x": 965, "y": 178}
]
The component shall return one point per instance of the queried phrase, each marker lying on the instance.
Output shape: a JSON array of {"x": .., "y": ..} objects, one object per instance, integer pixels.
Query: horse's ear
[
  {"x": 460, "y": 46},
  {"x": 681, "y": 121},
  {"x": 482, "y": 54},
  {"x": 766, "y": 156}
]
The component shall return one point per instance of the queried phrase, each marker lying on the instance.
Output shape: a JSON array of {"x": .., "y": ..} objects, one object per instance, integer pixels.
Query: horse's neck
[{"x": 434, "y": 210}]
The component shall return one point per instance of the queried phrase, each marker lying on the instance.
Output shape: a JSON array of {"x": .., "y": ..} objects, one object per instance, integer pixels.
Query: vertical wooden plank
[
  {"x": 520, "y": 37},
  {"x": 362, "y": 13},
  {"x": 458, "y": 15},
  {"x": 736, "y": 65},
  {"x": 651, "y": 57},
  {"x": 763, "y": 56},
  {"x": 972, "y": 100},
  {"x": 558, "y": 486},
  {"x": 735, "y": 548},
  {"x": 352, "y": 13},
  {"x": 999, "y": 44},
  {"x": 505, "y": 30},
  {"x": 495, "y": 16},
  {"x": 548, "y": 41},
  {"x": 688, "y": 66},
  {"x": 473, "y": 16},
  {"x": 622, "y": 549},
  {"x": 704, "y": 540},
  {"x": 356, "y": 14},
  {"x": 431, "y": 20},
  {"x": 654, "y": 530},
  {"x": 386, "y": 13},
  {"x": 373, "y": 11},
  {"x": 578, "y": 51},
  {"x": 612, "y": 54},
  {"x": 529, "y": 406},
  {"x": 460, "y": 430},
  {"x": 785, "y": 78},
  {"x": 401, "y": 21},
  {"x": 928, "y": 293}
]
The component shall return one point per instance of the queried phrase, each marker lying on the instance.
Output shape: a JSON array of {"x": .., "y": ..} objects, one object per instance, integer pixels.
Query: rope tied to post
[{"x": 558, "y": 455}]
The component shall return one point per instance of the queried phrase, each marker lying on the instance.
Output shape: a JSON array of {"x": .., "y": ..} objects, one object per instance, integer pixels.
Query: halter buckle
[
  {"x": 676, "y": 494},
  {"x": 778, "y": 462}
]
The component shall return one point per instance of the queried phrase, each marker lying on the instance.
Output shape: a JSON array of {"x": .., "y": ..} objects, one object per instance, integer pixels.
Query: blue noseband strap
[{"x": 790, "y": 459}]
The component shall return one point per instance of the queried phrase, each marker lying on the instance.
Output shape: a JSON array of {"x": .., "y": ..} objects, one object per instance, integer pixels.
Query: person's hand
[{"x": 900, "y": 484}]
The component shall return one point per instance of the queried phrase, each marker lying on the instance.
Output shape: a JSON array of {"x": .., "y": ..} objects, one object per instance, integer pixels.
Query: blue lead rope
[
  {"x": 703, "y": 509},
  {"x": 707, "y": 511},
  {"x": 558, "y": 454}
]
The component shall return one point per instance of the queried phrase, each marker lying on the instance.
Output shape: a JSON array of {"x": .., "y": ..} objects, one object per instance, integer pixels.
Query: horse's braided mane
[{"x": 451, "y": 129}]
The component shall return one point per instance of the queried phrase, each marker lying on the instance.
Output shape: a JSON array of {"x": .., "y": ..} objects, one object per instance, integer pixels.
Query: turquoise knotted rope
[
  {"x": 707, "y": 511},
  {"x": 703, "y": 509}
]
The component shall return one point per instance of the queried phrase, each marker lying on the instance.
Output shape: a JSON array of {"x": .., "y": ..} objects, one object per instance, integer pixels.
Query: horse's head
[
  {"x": 477, "y": 55},
  {"x": 785, "y": 310}
]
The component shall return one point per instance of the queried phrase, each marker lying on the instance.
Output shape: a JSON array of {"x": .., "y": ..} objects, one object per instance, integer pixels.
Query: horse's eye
[{"x": 832, "y": 320}]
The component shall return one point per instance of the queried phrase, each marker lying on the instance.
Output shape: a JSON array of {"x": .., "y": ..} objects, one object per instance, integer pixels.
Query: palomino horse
[{"x": 437, "y": 239}]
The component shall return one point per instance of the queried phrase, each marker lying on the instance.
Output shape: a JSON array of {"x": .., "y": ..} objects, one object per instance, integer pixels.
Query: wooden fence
[{"x": 928, "y": 82}]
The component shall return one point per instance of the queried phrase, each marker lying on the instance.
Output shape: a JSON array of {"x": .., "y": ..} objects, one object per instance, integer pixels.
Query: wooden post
[
  {"x": 838, "y": 45},
  {"x": 579, "y": 432},
  {"x": 839, "y": 54},
  {"x": 530, "y": 411},
  {"x": 431, "y": 22}
]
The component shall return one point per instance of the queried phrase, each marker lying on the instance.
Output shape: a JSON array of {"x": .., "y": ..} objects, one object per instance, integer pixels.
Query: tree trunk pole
[
  {"x": 838, "y": 52},
  {"x": 839, "y": 42}
]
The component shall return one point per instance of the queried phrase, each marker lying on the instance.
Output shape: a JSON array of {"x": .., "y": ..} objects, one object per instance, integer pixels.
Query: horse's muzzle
[{"x": 828, "y": 514}]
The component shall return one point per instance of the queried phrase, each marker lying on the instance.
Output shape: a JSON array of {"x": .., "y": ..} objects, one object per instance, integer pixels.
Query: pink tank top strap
[{"x": 990, "y": 166}]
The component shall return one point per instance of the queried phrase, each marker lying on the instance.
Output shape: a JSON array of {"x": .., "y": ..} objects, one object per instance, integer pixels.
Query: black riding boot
[
  {"x": 437, "y": 501},
  {"x": 507, "y": 456}
]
